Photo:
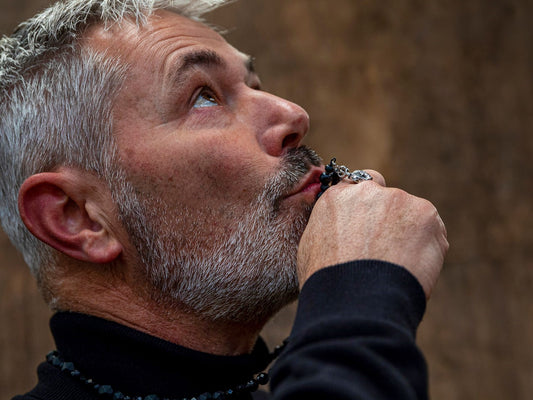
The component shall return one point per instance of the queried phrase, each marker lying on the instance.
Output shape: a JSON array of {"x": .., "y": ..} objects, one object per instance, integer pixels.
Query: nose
[{"x": 280, "y": 124}]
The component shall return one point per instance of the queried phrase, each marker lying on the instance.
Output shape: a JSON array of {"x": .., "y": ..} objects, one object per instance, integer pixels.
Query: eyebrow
[
  {"x": 202, "y": 58},
  {"x": 205, "y": 58}
]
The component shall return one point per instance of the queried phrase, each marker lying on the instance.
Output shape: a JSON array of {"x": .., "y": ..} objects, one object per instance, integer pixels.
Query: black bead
[
  {"x": 335, "y": 179},
  {"x": 324, "y": 187},
  {"x": 325, "y": 178},
  {"x": 105, "y": 389},
  {"x": 56, "y": 361},
  {"x": 51, "y": 355},
  {"x": 252, "y": 385},
  {"x": 329, "y": 169},
  {"x": 262, "y": 378},
  {"x": 67, "y": 366}
]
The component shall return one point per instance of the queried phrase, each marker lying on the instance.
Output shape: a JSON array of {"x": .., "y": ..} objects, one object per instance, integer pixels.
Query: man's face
[{"x": 202, "y": 148}]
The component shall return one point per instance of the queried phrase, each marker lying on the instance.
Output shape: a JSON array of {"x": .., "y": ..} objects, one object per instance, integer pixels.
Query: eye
[{"x": 205, "y": 99}]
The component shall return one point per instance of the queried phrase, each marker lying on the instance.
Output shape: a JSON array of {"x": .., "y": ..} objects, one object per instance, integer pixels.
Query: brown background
[{"x": 435, "y": 94}]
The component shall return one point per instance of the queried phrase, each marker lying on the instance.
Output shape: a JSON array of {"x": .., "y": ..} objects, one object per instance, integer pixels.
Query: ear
[{"x": 58, "y": 209}]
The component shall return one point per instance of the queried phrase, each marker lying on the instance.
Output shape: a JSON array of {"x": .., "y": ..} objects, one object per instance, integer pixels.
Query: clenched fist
[{"x": 370, "y": 221}]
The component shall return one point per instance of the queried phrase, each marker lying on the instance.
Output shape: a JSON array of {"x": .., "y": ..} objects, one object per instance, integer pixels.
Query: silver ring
[
  {"x": 356, "y": 176},
  {"x": 359, "y": 176}
]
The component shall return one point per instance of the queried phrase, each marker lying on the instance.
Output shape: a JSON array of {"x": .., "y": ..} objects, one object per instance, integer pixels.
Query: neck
[
  {"x": 118, "y": 302},
  {"x": 213, "y": 337}
]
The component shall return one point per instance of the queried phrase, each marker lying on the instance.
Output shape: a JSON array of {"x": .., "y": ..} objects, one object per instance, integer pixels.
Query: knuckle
[
  {"x": 427, "y": 208},
  {"x": 399, "y": 196},
  {"x": 377, "y": 177}
]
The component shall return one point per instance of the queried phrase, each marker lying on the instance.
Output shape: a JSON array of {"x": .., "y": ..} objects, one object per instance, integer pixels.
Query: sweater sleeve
[{"x": 354, "y": 337}]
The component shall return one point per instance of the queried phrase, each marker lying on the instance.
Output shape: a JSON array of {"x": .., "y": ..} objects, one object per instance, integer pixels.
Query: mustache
[
  {"x": 301, "y": 159},
  {"x": 294, "y": 166}
]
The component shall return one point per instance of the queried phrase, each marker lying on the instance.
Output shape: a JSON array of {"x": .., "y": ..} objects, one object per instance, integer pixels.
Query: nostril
[{"x": 290, "y": 140}]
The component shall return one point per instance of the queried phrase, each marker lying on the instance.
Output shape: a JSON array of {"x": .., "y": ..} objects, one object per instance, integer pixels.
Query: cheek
[
  {"x": 234, "y": 167},
  {"x": 207, "y": 169}
]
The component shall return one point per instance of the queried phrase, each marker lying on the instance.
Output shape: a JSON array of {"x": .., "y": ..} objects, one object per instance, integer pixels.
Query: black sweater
[{"x": 353, "y": 338}]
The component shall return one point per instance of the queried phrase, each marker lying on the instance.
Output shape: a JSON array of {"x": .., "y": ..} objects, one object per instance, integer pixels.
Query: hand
[{"x": 370, "y": 221}]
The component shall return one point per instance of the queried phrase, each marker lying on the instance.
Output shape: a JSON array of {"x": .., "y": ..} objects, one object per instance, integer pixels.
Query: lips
[{"x": 310, "y": 183}]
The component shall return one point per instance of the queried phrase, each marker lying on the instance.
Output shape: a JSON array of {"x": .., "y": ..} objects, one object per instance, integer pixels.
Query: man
[{"x": 168, "y": 210}]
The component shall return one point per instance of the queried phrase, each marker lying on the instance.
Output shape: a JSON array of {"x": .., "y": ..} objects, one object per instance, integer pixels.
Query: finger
[
  {"x": 376, "y": 177},
  {"x": 443, "y": 227},
  {"x": 446, "y": 244}
]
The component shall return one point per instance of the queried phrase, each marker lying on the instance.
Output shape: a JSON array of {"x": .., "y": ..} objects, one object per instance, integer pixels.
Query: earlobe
[{"x": 55, "y": 211}]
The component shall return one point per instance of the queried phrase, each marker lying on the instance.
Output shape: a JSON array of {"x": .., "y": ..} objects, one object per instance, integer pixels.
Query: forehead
[{"x": 164, "y": 37}]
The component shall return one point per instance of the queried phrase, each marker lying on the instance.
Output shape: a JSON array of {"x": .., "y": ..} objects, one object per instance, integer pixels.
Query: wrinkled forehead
[{"x": 164, "y": 34}]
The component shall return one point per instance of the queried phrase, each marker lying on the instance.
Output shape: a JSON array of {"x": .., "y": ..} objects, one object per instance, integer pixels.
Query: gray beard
[{"x": 244, "y": 278}]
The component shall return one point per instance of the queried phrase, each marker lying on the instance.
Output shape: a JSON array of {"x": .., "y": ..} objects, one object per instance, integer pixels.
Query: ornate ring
[
  {"x": 343, "y": 172},
  {"x": 359, "y": 175}
]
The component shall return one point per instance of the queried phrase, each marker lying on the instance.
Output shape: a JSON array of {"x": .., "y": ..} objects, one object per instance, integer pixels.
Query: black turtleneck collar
[{"x": 139, "y": 364}]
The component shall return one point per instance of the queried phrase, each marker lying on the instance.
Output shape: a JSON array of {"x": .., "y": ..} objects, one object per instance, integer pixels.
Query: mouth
[{"x": 309, "y": 185}]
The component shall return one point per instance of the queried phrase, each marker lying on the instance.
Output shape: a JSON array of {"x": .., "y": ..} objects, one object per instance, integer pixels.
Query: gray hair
[{"x": 56, "y": 100}]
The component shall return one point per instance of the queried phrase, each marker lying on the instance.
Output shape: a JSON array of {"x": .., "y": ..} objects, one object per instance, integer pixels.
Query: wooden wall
[{"x": 438, "y": 95}]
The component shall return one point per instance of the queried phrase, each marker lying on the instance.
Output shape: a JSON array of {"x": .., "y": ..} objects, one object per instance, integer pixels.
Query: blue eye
[{"x": 205, "y": 99}]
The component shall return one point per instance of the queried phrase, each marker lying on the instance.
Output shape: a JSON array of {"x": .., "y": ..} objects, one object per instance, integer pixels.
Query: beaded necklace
[{"x": 107, "y": 391}]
